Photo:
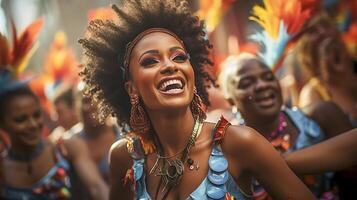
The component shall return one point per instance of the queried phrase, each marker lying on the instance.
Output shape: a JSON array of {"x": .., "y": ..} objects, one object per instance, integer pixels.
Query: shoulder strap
[{"x": 220, "y": 130}]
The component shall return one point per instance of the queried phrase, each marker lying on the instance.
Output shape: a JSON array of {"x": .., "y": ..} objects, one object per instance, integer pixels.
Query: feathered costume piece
[
  {"x": 61, "y": 66},
  {"x": 105, "y": 13},
  {"x": 347, "y": 23},
  {"x": 14, "y": 60},
  {"x": 281, "y": 21},
  {"x": 212, "y": 11}
]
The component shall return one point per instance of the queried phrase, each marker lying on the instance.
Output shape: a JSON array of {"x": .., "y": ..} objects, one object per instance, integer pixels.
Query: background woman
[{"x": 253, "y": 88}]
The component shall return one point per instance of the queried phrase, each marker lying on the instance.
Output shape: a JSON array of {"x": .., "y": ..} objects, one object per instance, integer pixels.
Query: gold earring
[
  {"x": 197, "y": 106},
  {"x": 139, "y": 120}
]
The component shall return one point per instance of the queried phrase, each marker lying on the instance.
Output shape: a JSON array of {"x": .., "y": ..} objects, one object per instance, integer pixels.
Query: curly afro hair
[{"x": 105, "y": 42}]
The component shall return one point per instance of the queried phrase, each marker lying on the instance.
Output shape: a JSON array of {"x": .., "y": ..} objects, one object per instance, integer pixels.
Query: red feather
[
  {"x": 23, "y": 43},
  {"x": 5, "y": 52}
]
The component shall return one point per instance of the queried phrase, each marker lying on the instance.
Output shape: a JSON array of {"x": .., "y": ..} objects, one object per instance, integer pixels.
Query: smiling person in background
[{"x": 255, "y": 91}]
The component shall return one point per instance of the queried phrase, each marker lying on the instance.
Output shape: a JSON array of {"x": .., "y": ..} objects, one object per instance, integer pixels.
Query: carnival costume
[{"x": 218, "y": 184}]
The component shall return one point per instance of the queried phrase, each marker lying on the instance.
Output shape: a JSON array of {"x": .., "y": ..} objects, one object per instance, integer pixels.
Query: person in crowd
[
  {"x": 324, "y": 56},
  {"x": 34, "y": 167},
  {"x": 253, "y": 88},
  {"x": 149, "y": 71},
  {"x": 99, "y": 136},
  {"x": 67, "y": 117}
]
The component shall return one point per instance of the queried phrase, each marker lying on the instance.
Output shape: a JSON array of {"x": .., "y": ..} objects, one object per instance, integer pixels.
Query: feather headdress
[
  {"x": 212, "y": 11},
  {"x": 14, "y": 60},
  {"x": 61, "y": 65},
  {"x": 282, "y": 23}
]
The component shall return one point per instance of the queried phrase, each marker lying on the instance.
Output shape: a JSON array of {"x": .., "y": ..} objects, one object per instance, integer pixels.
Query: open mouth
[
  {"x": 171, "y": 86},
  {"x": 266, "y": 100}
]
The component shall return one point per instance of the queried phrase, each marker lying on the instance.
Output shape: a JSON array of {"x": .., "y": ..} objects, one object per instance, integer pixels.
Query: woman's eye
[
  {"x": 20, "y": 119},
  {"x": 37, "y": 114},
  {"x": 244, "y": 84},
  {"x": 148, "y": 61},
  {"x": 269, "y": 76},
  {"x": 180, "y": 58}
]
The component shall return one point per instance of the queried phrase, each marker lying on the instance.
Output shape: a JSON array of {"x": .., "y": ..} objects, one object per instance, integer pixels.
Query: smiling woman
[
  {"x": 32, "y": 167},
  {"x": 253, "y": 88},
  {"x": 149, "y": 71}
]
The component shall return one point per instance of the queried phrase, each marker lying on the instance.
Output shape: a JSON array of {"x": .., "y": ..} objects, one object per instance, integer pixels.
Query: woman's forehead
[
  {"x": 156, "y": 40},
  {"x": 251, "y": 66}
]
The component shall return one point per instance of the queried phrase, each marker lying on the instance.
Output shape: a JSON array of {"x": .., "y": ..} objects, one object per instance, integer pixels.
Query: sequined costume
[
  {"x": 55, "y": 185},
  {"x": 218, "y": 184}
]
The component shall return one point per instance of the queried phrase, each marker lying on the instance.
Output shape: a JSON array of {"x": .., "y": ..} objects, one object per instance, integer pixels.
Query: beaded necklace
[
  {"x": 172, "y": 167},
  {"x": 279, "y": 140}
]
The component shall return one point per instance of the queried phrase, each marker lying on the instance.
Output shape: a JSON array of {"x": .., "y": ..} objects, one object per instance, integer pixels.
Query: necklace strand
[{"x": 171, "y": 170}]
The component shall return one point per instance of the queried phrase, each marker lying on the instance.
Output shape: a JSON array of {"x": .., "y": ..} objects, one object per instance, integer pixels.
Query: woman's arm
[
  {"x": 85, "y": 168},
  {"x": 119, "y": 161},
  {"x": 256, "y": 156},
  {"x": 334, "y": 154}
]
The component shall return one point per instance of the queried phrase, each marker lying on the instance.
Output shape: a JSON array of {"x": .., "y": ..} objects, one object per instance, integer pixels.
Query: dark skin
[
  {"x": 331, "y": 155},
  {"x": 256, "y": 92},
  {"x": 23, "y": 122},
  {"x": 98, "y": 136},
  {"x": 335, "y": 67},
  {"x": 67, "y": 118},
  {"x": 169, "y": 110}
]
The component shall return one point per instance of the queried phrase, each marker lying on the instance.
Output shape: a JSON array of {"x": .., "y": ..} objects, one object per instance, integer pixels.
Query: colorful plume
[
  {"x": 281, "y": 22},
  {"x": 350, "y": 39},
  {"x": 61, "y": 65},
  {"x": 212, "y": 11},
  {"x": 105, "y": 13},
  {"x": 23, "y": 47}
]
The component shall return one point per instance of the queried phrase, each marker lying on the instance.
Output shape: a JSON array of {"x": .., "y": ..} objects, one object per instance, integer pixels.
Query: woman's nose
[
  {"x": 34, "y": 123},
  {"x": 169, "y": 68},
  {"x": 261, "y": 85}
]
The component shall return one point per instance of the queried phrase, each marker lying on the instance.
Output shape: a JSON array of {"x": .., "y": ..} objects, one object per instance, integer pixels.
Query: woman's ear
[
  {"x": 130, "y": 88},
  {"x": 230, "y": 101}
]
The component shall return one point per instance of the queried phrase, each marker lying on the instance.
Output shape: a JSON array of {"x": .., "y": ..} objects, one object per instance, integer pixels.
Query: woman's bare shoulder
[
  {"x": 241, "y": 137},
  {"x": 119, "y": 155},
  {"x": 245, "y": 145}
]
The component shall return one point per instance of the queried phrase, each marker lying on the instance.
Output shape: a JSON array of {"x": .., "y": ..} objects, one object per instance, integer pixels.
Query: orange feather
[
  {"x": 5, "y": 52},
  {"x": 23, "y": 44}
]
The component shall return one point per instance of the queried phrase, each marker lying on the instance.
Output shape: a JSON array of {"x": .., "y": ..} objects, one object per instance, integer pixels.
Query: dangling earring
[
  {"x": 139, "y": 121},
  {"x": 197, "y": 106}
]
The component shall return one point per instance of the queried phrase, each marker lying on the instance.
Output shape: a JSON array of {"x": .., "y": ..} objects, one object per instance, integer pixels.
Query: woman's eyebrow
[{"x": 149, "y": 51}]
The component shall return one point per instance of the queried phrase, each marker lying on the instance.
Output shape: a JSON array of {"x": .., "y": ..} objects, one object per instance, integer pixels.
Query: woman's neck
[
  {"x": 22, "y": 152},
  {"x": 172, "y": 129},
  {"x": 96, "y": 131},
  {"x": 264, "y": 126}
]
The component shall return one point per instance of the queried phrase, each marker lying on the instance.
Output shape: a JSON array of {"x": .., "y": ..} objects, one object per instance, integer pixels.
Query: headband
[{"x": 131, "y": 45}]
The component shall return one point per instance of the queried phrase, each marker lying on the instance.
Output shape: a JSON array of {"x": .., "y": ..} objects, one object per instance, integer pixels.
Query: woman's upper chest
[{"x": 23, "y": 174}]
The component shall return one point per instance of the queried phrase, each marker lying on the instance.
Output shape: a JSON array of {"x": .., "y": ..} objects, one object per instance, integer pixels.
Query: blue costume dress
[
  {"x": 55, "y": 185},
  {"x": 218, "y": 184}
]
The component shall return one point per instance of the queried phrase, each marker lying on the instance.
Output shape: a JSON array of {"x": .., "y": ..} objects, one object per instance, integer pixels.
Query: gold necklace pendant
[{"x": 172, "y": 168}]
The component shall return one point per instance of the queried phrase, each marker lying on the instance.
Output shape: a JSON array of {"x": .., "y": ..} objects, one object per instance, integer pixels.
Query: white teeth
[{"x": 170, "y": 82}]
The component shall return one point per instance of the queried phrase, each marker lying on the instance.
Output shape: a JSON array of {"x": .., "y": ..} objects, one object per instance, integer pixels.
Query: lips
[
  {"x": 265, "y": 100},
  {"x": 172, "y": 85}
]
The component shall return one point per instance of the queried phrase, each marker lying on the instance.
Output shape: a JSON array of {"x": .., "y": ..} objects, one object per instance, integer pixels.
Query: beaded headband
[{"x": 131, "y": 45}]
